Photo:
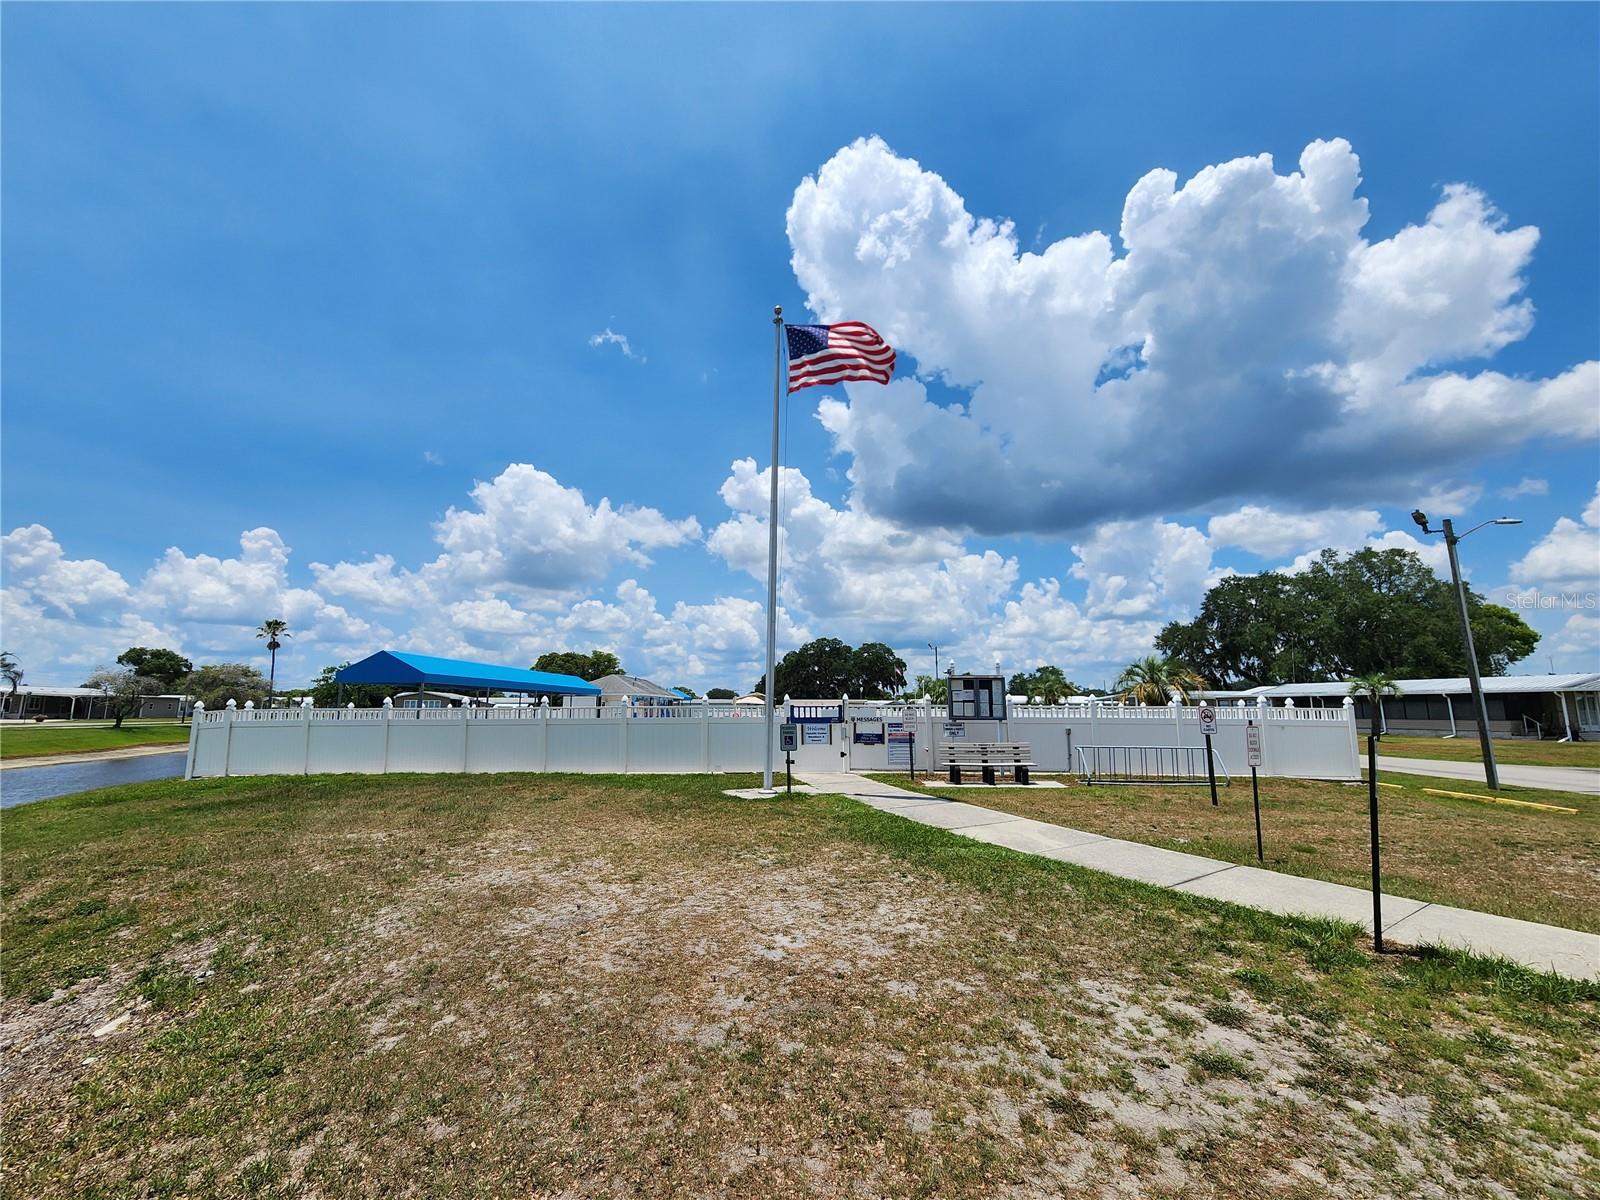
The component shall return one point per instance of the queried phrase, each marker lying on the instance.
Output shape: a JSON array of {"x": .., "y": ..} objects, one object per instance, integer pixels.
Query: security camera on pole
[
  {"x": 849, "y": 352},
  {"x": 1491, "y": 774}
]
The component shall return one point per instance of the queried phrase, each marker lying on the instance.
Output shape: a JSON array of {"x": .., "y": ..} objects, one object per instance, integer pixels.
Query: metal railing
[{"x": 1147, "y": 764}]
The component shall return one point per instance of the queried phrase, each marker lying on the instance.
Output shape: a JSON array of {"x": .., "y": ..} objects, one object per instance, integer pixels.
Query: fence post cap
[
  {"x": 199, "y": 706},
  {"x": 1349, "y": 701},
  {"x": 351, "y": 706},
  {"x": 388, "y": 702},
  {"x": 1239, "y": 704},
  {"x": 231, "y": 704},
  {"x": 306, "y": 702},
  {"x": 249, "y": 703},
  {"x": 1288, "y": 701}
]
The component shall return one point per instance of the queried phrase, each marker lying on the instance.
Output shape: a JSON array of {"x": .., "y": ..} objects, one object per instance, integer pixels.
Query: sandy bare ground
[{"x": 575, "y": 989}]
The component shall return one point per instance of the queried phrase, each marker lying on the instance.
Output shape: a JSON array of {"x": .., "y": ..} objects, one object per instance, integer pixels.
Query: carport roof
[{"x": 395, "y": 667}]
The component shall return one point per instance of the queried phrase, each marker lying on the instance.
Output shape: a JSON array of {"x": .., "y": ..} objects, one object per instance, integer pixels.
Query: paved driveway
[{"x": 1561, "y": 779}]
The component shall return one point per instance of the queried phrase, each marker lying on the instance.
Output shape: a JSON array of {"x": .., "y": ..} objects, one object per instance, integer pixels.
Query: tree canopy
[
  {"x": 167, "y": 667},
  {"x": 124, "y": 690},
  {"x": 1345, "y": 615},
  {"x": 596, "y": 664},
  {"x": 325, "y": 690},
  {"x": 721, "y": 694},
  {"x": 1154, "y": 680},
  {"x": 1050, "y": 683},
  {"x": 829, "y": 667},
  {"x": 216, "y": 683}
]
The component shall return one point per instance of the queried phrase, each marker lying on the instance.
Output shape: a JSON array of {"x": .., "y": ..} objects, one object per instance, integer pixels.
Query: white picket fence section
[{"x": 703, "y": 737}]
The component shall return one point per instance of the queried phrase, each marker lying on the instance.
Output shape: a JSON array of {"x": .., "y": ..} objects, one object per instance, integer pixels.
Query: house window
[{"x": 1588, "y": 710}]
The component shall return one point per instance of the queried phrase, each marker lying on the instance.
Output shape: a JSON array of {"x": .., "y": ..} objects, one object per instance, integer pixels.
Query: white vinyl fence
[{"x": 702, "y": 737}]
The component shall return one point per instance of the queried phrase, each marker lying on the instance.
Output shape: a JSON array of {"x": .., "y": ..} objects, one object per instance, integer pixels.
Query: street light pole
[{"x": 1491, "y": 773}]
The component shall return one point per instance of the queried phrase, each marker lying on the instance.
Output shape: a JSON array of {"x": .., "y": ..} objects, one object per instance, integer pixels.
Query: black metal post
[
  {"x": 1255, "y": 797},
  {"x": 1211, "y": 772},
  {"x": 911, "y": 758},
  {"x": 788, "y": 771},
  {"x": 1372, "y": 817}
]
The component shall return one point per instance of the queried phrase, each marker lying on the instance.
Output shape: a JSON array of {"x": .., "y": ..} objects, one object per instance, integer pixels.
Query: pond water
[{"x": 23, "y": 785}]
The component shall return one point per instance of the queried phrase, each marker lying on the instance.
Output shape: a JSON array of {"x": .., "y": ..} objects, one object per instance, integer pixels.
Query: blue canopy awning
[{"x": 393, "y": 667}]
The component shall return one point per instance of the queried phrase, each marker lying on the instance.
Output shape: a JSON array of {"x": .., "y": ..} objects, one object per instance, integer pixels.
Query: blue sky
[{"x": 312, "y": 274}]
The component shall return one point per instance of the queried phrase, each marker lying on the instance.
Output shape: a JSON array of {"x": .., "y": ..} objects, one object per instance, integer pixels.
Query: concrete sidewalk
[
  {"x": 1561, "y": 779},
  {"x": 1415, "y": 922}
]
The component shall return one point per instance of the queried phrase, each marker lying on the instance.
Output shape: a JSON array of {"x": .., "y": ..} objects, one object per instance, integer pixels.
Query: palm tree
[
  {"x": 1153, "y": 680},
  {"x": 272, "y": 630},
  {"x": 1373, "y": 687},
  {"x": 12, "y": 674}
]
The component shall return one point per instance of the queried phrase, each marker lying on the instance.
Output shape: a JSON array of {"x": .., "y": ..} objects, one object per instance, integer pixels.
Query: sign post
[
  {"x": 1372, "y": 818},
  {"x": 1208, "y": 726},
  {"x": 1252, "y": 750},
  {"x": 788, "y": 742}
]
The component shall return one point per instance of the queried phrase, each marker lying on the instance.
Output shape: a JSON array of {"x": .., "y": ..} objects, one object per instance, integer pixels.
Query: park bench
[{"x": 989, "y": 757}]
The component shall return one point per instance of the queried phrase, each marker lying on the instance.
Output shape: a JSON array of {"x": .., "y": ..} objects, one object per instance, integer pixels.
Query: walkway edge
[{"x": 1567, "y": 952}]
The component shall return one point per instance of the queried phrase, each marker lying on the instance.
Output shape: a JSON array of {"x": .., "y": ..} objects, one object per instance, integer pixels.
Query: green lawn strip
[
  {"x": 232, "y": 910},
  {"x": 24, "y": 741},
  {"x": 1529, "y": 864},
  {"x": 1506, "y": 753}
]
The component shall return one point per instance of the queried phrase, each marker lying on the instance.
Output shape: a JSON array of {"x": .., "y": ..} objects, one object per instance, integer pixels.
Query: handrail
[{"x": 1155, "y": 764}]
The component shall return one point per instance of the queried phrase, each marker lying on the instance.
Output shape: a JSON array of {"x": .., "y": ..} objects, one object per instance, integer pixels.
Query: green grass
[
  {"x": 24, "y": 740},
  {"x": 492, "y": 985},
  {"x": 1506, "y": 753},
  {"x": 1537, "y": 866}
]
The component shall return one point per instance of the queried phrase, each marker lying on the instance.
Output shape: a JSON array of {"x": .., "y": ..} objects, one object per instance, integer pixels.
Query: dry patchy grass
[{"x": 562, "y": 986}]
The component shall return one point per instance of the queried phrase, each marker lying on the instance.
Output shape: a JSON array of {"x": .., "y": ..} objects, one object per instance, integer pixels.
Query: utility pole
[{"x": 1491, "y": 774}]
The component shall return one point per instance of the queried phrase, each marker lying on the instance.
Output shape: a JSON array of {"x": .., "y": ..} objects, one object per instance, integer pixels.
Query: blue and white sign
[{"x": 869, "y": 733}]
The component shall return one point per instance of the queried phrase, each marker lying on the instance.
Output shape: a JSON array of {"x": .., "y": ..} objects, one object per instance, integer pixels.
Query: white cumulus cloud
[
  {"x": 1247, "y": 339},
  {"x": 1567, "y": 559},
  {"x": 529, "y": 531}
]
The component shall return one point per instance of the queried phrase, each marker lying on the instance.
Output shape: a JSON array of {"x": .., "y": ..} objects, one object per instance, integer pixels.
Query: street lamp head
[
  {"x": 1421, "y": 518},
  {"x": 1508, "y": 521}
]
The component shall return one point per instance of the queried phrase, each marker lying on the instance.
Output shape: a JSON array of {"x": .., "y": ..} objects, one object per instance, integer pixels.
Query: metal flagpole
[{"x": 772, "y": 540}]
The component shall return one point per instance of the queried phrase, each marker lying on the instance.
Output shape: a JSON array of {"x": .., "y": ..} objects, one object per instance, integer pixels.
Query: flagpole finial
[{"x": 777, "y": 314}]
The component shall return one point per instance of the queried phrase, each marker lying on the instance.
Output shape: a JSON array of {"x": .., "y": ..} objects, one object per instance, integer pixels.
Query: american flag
[{"x": 821, "y": 354}]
